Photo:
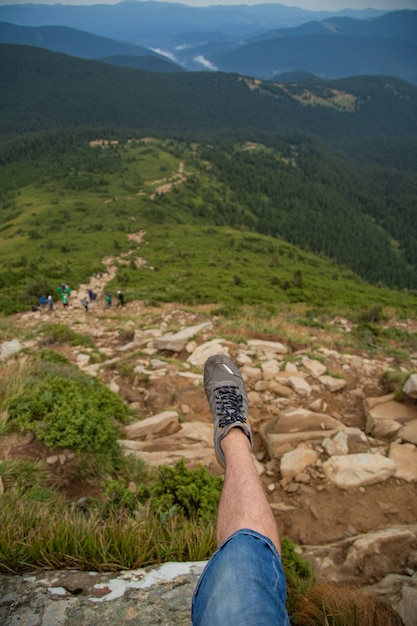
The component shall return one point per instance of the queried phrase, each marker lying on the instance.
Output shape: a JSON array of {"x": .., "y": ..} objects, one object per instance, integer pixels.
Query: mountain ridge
[{"x": 42, "y": 90}]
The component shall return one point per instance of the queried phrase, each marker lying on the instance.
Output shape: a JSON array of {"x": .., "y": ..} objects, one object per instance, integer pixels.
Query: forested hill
[{"x": 42, "y": 90}]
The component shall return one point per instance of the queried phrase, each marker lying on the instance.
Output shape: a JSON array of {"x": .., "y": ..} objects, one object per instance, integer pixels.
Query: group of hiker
[{"x": 64, "y": 292}]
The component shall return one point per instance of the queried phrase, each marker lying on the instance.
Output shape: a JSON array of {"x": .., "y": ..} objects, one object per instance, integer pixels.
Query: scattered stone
[
  {"x": 251, "y": 373},
  {"x": 9, "y": 348},
  {"x": 278, "y": 389},
  {"x": 1, "y": 486},
  {"x": 113, "y": 386},
  {"x": 202, "y": 353},
  {"x": 314, "y": 367},
  {"x": 332, "y": 384},
  {"x": 157, "y": 364},
  {"x": 83, "y": 359},
  {"x": 267, "y": 347},
  {"x": 356, "y": 470},
  {"x": 281, "y": 506},
  {"x": 300, "y": 386},
  {"x": 337, "y": 445},
  {"x": 243, "y": 359},
  {"x": 270, "y": 368},
  {"x": 294, "y": 462},
  {"x": 410, "y": 387},
  {"x": 291, "y": 367}
]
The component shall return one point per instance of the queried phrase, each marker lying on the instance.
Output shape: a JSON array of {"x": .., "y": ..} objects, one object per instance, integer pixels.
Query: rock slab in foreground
[{"x": 151, "y": 596}]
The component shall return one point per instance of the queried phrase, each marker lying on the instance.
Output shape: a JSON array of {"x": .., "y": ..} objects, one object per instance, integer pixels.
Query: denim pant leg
[{"x": 243, "y": 584}]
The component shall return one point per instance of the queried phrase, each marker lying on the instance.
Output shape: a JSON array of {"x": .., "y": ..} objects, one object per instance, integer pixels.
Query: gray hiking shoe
[{"x": 226, "y": 393}]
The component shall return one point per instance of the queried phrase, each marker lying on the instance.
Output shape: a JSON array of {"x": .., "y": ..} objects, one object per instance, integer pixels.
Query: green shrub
[
  {"x": 59, "y": 333},
  {"x": 194, "y": 493},
  {"x": 52, "y": 357},
  {"x": 75, "y": 412},
  {"x": 117, "y": 498}
]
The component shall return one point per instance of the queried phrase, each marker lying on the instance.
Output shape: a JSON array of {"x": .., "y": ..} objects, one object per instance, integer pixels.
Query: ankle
[{"x": 236, "y": 441}]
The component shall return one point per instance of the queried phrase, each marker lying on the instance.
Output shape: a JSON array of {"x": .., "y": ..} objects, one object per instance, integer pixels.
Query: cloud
[
  {"x": 205, "y": 63},
  {"x": 165, "y": 53}
]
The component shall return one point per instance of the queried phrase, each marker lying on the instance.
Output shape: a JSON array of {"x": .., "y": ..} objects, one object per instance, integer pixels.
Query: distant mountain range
[
  {"x": 155, "y": 24},
  {"x": 262, "y": 41}
]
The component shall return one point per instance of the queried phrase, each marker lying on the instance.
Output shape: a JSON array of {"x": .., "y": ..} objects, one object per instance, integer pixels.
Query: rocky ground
[{"x": 337, "y": 454}]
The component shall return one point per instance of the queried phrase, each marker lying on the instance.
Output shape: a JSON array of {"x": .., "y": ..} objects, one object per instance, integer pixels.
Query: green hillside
[
  {"x": 328, "y": 167},
  {"x": 67, "y": 204}
]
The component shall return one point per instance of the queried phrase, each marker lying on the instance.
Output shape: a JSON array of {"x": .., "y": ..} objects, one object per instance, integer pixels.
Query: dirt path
[{"x": 176, "y": 179}]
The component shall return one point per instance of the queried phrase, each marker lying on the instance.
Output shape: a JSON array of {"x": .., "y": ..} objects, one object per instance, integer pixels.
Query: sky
[{"x": 311, "y": 5}]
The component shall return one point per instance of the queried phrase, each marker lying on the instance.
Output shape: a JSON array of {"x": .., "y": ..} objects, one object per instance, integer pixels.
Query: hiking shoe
[{"x": 226, "y": 393}]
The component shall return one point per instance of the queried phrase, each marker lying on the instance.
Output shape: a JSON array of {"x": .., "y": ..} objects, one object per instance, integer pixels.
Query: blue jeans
[{"x": 243, "y": 584}]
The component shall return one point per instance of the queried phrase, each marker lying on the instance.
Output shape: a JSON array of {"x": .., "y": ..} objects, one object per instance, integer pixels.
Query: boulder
[
  {"x": 175, "y": 342},
  {"x": 151, "y": 427},
  {"x": 193, "y": 442},
  {"x": 301, "y": 420},
  {"x": 398, "y": 591},
  {"x": 362, "y": 559},
  {"x": 385, "y": 416},
  {"x": 284, "y": 432},
  {"x": 409, "y": 432},
  {"x": 356, "y": 470},
  {"x": 405, "y": 458},
  {"x": 277, "y": 445}
]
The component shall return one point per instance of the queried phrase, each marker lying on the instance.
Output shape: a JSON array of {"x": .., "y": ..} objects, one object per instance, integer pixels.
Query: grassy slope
[{"x": 64, "y": 215}]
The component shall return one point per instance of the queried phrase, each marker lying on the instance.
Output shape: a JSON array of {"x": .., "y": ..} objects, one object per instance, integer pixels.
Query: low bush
[
  {"x": 193, "y": 493},
  {"x": 69, "y": 409},
  {"x": 59, "y": 333}
]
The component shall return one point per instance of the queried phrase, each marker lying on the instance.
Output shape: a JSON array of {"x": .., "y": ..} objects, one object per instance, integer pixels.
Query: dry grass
[{"x": 334, "y": 605}]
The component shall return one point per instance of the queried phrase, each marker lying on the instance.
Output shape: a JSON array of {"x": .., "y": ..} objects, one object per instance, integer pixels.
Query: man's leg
[
  {"x": 243, "y": 503},
  {"x": 243, "y": 583}
]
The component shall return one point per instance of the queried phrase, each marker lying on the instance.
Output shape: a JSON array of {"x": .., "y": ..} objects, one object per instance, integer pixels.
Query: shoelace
[{"x": 230, "y": 403}]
